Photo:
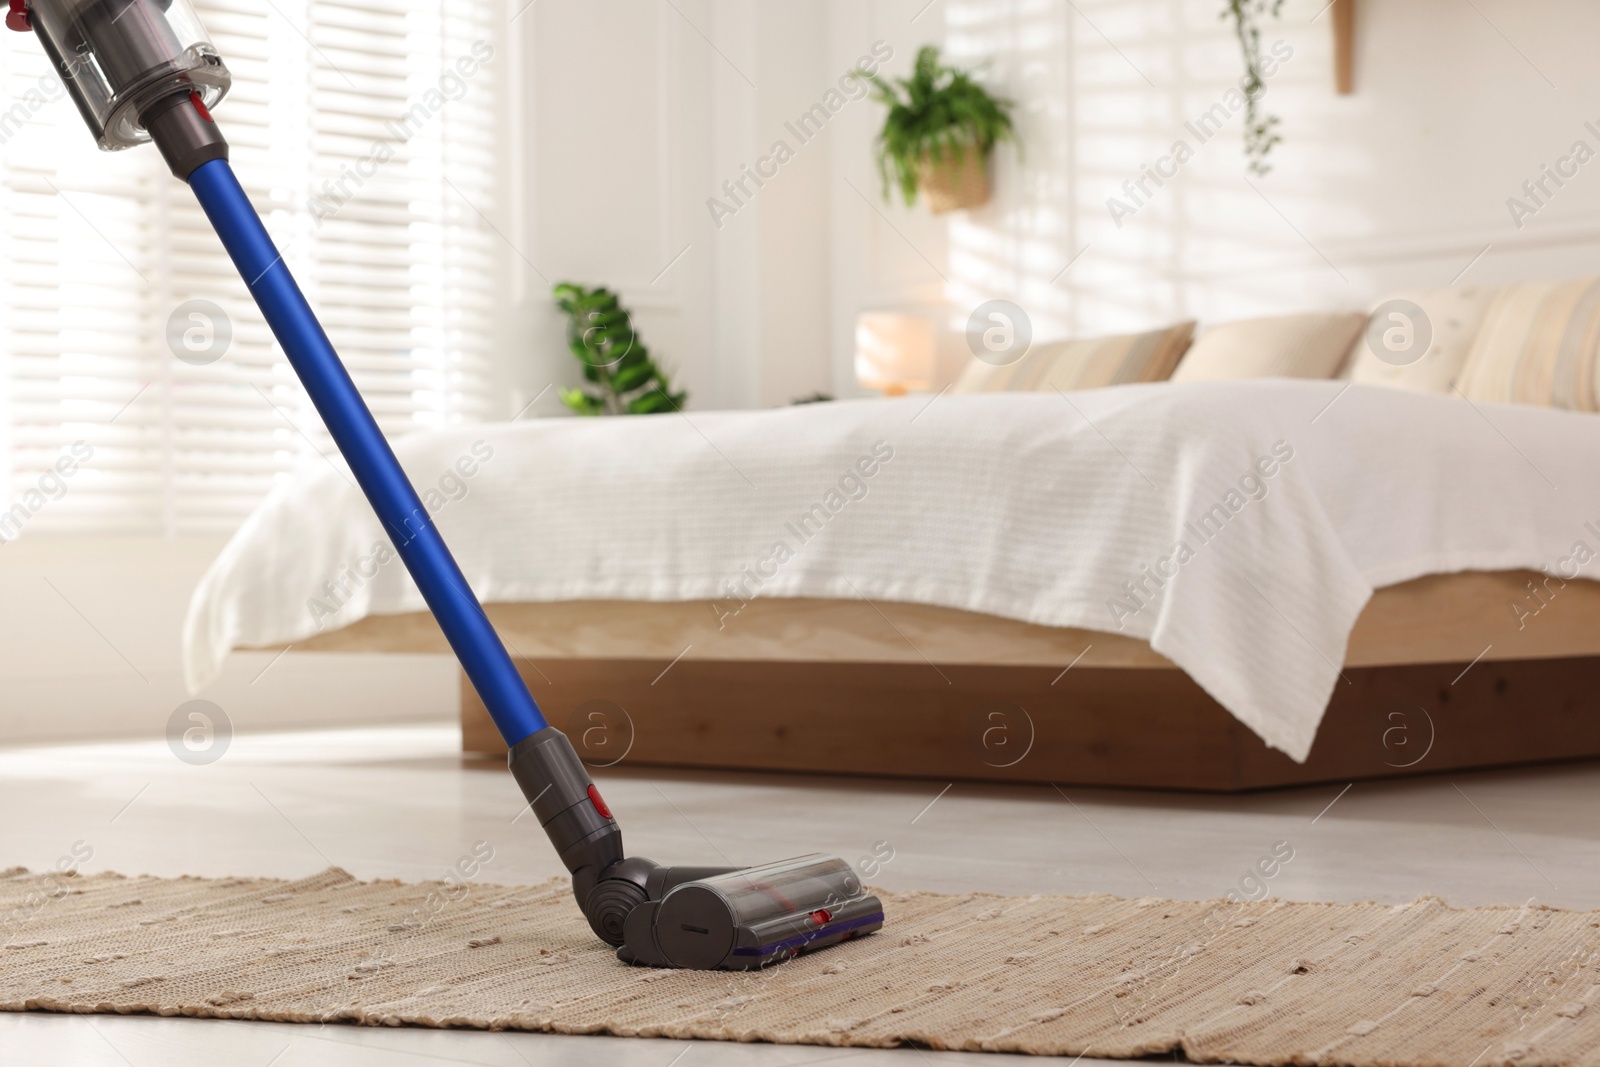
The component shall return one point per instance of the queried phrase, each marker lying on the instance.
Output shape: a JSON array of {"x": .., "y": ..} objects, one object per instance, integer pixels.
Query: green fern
[
  {"x": 623, "y": 379},
  {"x": 938, "y": 113}
]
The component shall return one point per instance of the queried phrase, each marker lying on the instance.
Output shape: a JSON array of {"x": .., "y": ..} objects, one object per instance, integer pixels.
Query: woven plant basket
[{"x": 954, "y": 181}]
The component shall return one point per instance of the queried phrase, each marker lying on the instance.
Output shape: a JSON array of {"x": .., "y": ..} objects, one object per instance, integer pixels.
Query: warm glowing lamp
[{"x": 894, "y": 352}]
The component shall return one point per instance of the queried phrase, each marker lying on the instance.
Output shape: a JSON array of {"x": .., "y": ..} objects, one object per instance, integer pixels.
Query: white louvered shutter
[{"x": 370, "y": 154}]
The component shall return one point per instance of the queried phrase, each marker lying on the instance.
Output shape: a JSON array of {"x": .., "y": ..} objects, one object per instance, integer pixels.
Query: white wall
[
  {"x": 89, "y": 649},
  {"x": 631, "y": 114},
  {"x": 1403, "y": 183}
]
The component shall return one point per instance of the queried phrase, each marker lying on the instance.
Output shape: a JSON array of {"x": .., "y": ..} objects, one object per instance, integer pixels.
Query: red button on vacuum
[
  {"x": 17, "y": 17},
  {"x": 599, "y": 805},
  {"x": 821, "y": 915},
  {"x": 200, "y": 106}
]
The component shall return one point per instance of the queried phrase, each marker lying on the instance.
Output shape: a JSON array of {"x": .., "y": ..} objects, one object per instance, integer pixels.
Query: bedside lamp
[{"x": 894, "y": 352}]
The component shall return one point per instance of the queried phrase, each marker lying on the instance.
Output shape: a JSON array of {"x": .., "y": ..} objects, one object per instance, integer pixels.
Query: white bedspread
[{"x": 1050, "y": 509}]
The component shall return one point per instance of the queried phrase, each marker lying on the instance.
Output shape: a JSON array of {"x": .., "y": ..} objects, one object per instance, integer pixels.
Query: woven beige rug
[{"x": 1263, "y": 983}]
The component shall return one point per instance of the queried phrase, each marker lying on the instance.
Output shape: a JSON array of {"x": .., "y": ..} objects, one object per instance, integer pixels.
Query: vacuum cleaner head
[
  {"x": 706, "y": 918},
  {"x": 747, "y": 918}
]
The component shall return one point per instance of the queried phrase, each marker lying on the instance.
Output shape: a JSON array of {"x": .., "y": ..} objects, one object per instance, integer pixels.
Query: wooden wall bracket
[{"x": 1344, "y": 46}]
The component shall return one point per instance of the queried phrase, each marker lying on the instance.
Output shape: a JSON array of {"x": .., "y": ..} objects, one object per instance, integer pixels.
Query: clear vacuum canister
[{"x": 118, "y": 58}]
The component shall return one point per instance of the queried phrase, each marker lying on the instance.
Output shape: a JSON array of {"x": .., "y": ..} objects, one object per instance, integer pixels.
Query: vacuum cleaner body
[{"x": 144, "y": 70}]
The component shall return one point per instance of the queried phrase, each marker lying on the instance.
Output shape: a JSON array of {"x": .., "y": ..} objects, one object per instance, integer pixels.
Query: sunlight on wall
[
  {"x": 1086, "y": 233},
  {"x": 1402, "y": 184}
]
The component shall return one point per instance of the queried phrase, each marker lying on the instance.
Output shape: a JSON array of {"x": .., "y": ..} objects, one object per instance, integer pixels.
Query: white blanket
[{"x": 1238, "y": 527}]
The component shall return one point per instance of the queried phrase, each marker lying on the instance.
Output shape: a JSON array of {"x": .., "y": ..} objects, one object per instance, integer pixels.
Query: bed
[{"x": 1207, "y": 585}]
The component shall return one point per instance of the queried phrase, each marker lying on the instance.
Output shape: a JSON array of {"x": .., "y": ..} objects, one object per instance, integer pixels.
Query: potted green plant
[
  {"x": 938, "y": 134},
  {"x": 623, "y": 379}
]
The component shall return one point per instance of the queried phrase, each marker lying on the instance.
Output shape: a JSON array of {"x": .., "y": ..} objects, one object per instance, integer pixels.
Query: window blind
[{"x": 364, "y": 134}]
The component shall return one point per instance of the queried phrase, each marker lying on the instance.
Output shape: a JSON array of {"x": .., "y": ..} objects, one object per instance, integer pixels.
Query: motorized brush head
[
  {"x": 750, "y": 917},
  {"x": 706, "y": 918},
  {"x": 122, "y": 61}
]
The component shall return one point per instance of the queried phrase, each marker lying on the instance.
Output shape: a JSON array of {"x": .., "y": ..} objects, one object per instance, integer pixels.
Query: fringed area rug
[{"x": 1259, "y": 983}]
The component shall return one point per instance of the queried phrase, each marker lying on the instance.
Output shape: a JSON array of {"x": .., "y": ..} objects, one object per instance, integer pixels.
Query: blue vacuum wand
[{"x": 145, "y": 70}]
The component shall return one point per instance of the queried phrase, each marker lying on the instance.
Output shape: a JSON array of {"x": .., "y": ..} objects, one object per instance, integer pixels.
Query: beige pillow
[
  {"x": 1538, "y": 345},
  {"x": 1086, "y": 364},
  {"x": 1454, "y": 315},
  {"x": 1286, "y": 346}
]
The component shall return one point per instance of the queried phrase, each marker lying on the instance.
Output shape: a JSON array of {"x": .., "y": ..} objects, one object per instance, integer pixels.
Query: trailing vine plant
[{"x": 1260, "y": 132}]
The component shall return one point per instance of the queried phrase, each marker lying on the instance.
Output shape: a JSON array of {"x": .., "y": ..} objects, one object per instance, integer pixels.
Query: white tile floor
[{"x": 400, "y": 803}]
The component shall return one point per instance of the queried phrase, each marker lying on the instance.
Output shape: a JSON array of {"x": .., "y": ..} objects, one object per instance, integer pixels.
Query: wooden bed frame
[{"x": 1444, "y": 673}]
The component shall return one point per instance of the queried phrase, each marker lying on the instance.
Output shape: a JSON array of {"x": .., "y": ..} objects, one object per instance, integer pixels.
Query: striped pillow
[
  {"x": 1087, "y": 364},
  {"x": 1284, "y": 346},
  {"x": 1538, "y": 345}
]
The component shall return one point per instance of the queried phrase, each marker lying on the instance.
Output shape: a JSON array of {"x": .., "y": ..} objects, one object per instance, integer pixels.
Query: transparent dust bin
[{"x": 118, "y": 57}]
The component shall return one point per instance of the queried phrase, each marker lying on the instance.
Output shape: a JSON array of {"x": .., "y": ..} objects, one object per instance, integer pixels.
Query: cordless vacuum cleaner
[{"x": 144, "y": 70}]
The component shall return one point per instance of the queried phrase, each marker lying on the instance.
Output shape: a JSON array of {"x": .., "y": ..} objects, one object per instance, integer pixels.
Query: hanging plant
[
  {"x": 623, "y": 379},
  {"x": 1259, "y": 130},
  {"x": 938, "y": 133}
]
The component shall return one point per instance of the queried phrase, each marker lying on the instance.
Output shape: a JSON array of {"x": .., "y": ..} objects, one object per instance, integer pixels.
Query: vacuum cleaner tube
[
  {"x": 120, "y": 58},
  {"x": 749, "y": 918}
]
